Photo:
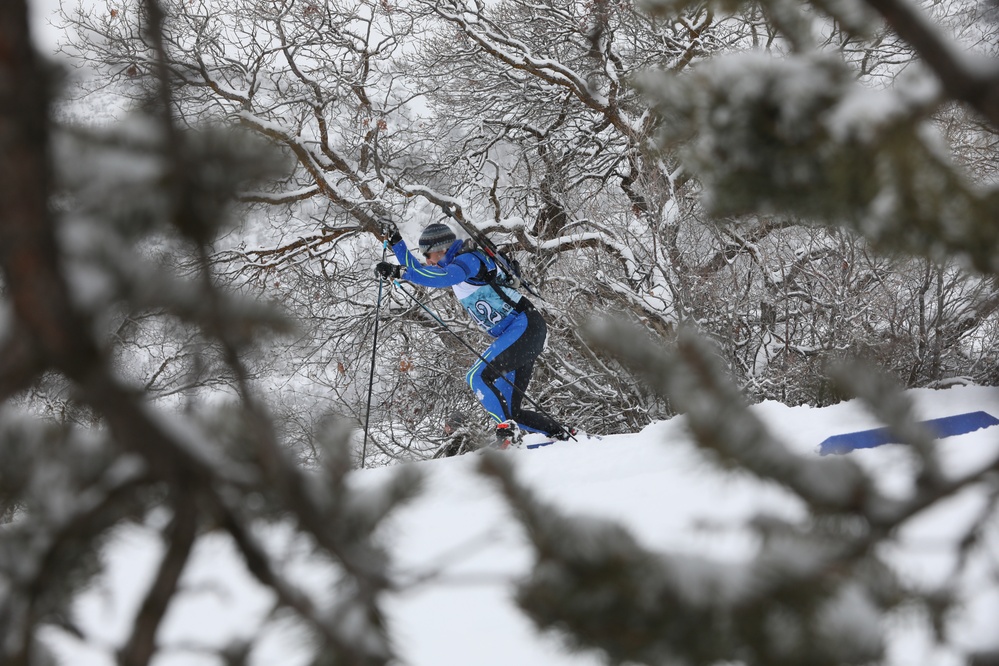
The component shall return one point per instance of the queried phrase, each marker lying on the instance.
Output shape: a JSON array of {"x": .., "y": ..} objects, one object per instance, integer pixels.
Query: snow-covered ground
[{"x": 654, "y": 481}]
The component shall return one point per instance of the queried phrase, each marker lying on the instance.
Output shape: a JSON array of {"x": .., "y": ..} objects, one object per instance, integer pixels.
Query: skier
[
  {"x": 460, "y": 440},
  {"x": 499, "y": 378}
]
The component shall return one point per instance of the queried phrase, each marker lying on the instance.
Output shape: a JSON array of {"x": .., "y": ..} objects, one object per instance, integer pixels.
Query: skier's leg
[
  {"x": 505, "y": 385},
  {"x": 484, "y": 373},
  {"x": 537, "y": 422},
  {"x": 530, "y": 420},
  {"x": 521, "y": 355}
]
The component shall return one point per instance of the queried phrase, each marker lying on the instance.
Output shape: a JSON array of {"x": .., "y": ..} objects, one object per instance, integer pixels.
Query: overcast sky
[{"x": 42, "y": 15}]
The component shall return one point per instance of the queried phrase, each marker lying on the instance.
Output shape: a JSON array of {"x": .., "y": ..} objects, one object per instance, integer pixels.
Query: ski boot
[{"x": 509, "y": 436}]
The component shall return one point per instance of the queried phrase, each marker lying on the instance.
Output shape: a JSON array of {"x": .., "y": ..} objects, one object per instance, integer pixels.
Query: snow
[{"x": 457, "y": 549}]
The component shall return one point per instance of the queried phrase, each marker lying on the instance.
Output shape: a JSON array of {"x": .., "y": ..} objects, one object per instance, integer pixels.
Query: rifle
[{"x": 511, "y": 267}]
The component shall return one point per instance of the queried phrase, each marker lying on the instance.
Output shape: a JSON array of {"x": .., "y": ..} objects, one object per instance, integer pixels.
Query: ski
[
  {"x": 538, "y": 441},
  {"x": 580, "y": 437}
]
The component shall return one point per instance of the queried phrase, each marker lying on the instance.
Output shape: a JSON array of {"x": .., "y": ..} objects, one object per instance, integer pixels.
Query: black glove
[
  {"x": 386, "y": 270},
  {"x": 389, "y": 230}
]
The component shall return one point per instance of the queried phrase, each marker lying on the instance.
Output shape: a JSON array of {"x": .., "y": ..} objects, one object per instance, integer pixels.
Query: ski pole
[
  {"x": 374, "y": 348},
  {"x": 488, "y": 363}
]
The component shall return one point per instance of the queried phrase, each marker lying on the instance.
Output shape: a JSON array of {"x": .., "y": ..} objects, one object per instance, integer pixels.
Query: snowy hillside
[{"x": 460, "y": 536}]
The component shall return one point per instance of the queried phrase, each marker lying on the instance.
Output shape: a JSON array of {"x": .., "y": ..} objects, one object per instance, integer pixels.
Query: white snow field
[{"x": 460, "y": 530}]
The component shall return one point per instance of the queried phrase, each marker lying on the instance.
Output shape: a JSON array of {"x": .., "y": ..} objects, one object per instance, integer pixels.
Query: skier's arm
[{"x": 430, "y": 276}]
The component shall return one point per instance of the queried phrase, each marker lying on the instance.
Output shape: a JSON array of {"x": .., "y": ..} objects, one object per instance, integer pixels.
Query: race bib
[{"x": 484, "y": 305}]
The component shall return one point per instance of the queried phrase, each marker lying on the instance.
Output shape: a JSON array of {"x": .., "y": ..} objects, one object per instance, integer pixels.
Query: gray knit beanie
[{"x": 436, "y": 237}]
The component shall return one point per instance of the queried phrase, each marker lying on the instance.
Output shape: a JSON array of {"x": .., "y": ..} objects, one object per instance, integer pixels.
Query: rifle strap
[{"x": 488, "y": 276}]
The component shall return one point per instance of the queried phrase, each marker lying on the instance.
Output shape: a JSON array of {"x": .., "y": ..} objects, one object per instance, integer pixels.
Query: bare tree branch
[{"x": 964, "y": 80}]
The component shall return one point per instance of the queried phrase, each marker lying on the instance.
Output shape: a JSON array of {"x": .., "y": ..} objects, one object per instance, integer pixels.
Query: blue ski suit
[{"x": 499, "y": 378}]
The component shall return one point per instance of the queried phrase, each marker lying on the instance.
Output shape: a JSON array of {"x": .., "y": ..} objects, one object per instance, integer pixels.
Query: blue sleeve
[{"x": 457, "y": 271}]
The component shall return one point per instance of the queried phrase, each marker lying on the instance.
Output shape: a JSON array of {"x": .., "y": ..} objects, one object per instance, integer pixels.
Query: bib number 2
[{"x": 485, "y": 313}]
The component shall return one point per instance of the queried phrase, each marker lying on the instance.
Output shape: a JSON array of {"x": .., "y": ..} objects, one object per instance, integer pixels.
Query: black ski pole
[
  {"x": 481, "y": 357},
  {"x": 374, "y": 349}
]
